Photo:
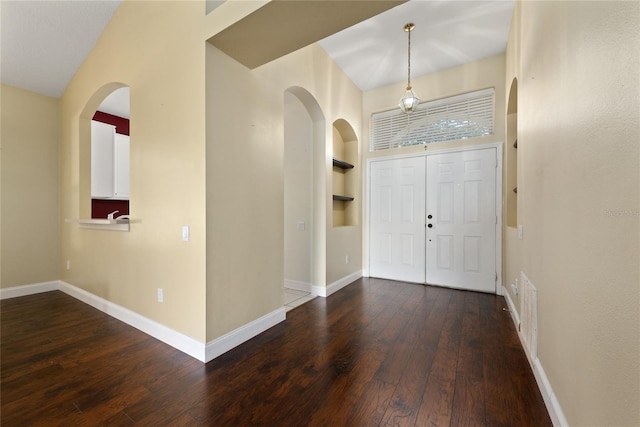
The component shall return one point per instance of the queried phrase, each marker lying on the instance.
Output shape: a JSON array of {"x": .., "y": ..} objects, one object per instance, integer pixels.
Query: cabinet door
[
  {"x": 102, "y": 178},
  {"x": 121, "y": 166}
]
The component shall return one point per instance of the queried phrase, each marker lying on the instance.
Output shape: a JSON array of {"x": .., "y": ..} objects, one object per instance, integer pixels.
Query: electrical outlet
[
  {"x": 185, "y": 233},
  {"x": 346, "y": 259},
  {"x": 160, "y": 295},
  {"x": 68, "y": 264},
  {"x": 520, "y": 231}
]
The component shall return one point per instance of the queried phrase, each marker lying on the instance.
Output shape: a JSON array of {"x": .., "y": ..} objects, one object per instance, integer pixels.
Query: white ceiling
[
  {"x": 44, "y": 42},
  {"x": 373, "y": 53}
]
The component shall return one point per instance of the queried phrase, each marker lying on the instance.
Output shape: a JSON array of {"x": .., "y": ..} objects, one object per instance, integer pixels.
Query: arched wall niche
[
  {"x": 346, "y": 131},
  {"x": 345, "y": 174},
  {"x": 512, "y": 155},
  {"x": 84, "y": 145},
  {"x": 304, "y": 211}
]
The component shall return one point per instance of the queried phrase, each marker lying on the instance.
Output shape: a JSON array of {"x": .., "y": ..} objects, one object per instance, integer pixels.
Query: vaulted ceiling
[{"x": 44, "y": 42}]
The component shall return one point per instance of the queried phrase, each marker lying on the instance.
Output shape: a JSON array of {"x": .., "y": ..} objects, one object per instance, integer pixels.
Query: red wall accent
[
  {"x": 100, "y": 208},
  {"x": 121, "y": 124}
]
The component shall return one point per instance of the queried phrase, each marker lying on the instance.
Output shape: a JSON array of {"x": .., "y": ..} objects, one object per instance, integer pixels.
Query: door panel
[
  {"x": 397, "y": 202},
  {"x": 444, "y": 252},
  {"x": 461, "y": 199}
]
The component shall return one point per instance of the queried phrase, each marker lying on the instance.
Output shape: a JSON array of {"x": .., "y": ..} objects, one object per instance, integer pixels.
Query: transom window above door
[{"x": 468, "y": 115}]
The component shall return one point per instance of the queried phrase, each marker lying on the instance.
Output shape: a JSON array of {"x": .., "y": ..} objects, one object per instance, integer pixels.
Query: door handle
[
  {"x": 429, "y": 216},
  {"x": 429, "y": 225}
]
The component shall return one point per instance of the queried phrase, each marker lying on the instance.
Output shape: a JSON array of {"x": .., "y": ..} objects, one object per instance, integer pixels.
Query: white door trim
[{"x": 498, "y": 231}]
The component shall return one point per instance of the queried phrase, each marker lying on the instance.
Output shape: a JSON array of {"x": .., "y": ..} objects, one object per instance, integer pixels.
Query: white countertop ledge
[{"x": 103, "y": 223}]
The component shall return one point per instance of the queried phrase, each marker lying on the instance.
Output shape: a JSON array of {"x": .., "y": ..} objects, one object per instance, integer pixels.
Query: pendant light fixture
[{"x": 409, "y": 102}]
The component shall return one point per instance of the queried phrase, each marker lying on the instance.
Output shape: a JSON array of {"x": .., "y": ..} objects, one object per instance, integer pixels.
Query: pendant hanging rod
[
  {"x": 409, "y": 102},
  {"x": 408, "y": 28}
]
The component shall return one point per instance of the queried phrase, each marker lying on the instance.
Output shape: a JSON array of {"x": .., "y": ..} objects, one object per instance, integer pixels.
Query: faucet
[{"x": 110, "y": 216}]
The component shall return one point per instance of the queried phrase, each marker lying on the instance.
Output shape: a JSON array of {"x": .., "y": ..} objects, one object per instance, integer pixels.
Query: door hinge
[{"x": 496, "y": 277}]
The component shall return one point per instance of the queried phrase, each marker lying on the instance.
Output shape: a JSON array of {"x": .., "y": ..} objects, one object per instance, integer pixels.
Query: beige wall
[
  {"x": 245, "y": 179},
  {"x": 578, "y": 64},
  {"x": 30, "y": 132},
  {"x": 156, "y": 48}
]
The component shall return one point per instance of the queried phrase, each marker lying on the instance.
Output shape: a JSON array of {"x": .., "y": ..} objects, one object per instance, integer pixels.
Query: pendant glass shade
[{"x": 409, "y": 102}]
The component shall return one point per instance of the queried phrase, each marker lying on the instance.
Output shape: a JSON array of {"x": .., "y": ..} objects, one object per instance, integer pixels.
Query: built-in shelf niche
[
  {"x": 345, "y": 175},
  {"x": 341, "y": 164}
]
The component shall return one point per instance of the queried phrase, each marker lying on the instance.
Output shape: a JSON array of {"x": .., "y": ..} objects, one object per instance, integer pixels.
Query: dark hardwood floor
[{"x": 376, "y": 353}]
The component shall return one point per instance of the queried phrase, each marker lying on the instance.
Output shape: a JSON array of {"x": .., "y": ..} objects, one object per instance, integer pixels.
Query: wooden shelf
[
  {"x": 343, "y": 198},
  {"x": 342, "y": 164}
]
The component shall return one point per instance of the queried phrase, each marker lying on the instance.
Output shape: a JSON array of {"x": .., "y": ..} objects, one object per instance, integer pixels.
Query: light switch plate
[{"x": 185, "y": 233}]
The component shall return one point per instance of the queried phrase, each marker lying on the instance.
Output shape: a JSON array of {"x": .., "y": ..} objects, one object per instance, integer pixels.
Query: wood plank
[
  {"x": 428, "y": 321},
  {"x": 437, "y": 399},
  {"x": 468, "y": 407}
]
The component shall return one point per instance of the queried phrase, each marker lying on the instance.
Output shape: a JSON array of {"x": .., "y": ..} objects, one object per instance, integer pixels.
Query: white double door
[{"x": 433, "y": 219}]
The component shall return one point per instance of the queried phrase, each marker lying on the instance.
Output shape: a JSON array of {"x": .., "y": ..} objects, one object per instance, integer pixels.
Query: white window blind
[{"x": 458, "y": 117}]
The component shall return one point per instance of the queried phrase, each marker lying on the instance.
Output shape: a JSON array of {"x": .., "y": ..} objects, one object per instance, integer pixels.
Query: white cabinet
[
  {"x": 121, "y": 167},
  {"x": 102, "y": 178},
  {"x": 109, "y": 162}
]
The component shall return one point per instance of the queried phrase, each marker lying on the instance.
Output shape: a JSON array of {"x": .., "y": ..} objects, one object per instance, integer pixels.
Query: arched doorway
[{"x": 304, "y": 196}]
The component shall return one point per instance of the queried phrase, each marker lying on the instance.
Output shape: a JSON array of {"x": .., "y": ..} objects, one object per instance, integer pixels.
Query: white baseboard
[
  {"x": 184, "y": 343},
  {"x": 298, "y": 285},
  {"x": 550, "y": 400},
  {"x": 24, "y": 290},
  {"x": 337, "y": 285},
  {"x": 244, "y": 333}
]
